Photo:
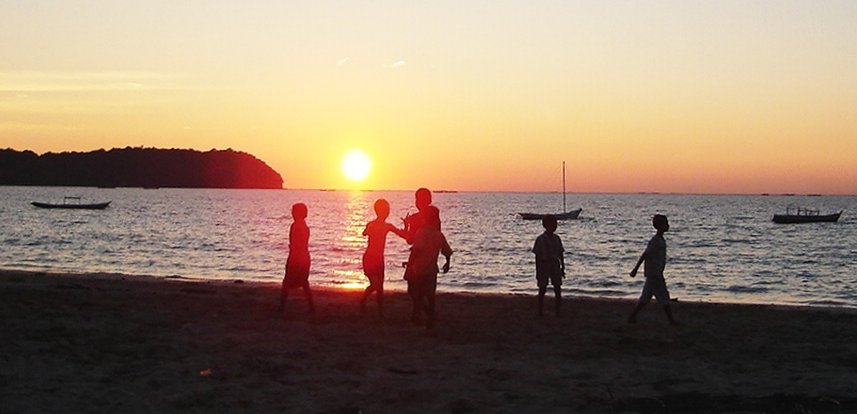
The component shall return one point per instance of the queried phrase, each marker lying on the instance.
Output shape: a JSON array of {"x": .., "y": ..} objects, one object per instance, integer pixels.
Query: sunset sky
[{"x": 672, "y": 96}]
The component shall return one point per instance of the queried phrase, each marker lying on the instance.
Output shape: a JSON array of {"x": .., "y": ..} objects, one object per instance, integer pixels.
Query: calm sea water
[{"x": 720, "y": 248}]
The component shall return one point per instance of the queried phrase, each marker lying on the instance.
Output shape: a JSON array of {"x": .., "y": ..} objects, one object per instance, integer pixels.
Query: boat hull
[
  {"x": 795, "y": 218},
  {"x": 94, "y": 206},
  {"x": 568, "y": 215}
]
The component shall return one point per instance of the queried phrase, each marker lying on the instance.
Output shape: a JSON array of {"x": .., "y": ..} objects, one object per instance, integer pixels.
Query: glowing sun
[{"x": 356, "y": 165}]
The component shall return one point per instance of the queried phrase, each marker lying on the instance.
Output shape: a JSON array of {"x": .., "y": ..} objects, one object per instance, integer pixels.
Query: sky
[{"x": 727, "y": 96}]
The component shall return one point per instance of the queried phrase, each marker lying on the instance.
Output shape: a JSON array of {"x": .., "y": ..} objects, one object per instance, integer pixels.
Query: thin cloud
[
  {"x": 396, "y": 64},
  {"x": 23, "y": 82}
]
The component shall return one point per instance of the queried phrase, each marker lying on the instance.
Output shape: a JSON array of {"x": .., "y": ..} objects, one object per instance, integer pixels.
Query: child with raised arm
[
  {"x": 373, "y": 258},
  {"x": 429, "y": 243},
  {"x": 655, "y": 259},
  {"x": 298, "y": 261},
  {"x": 550, "y": 264}
]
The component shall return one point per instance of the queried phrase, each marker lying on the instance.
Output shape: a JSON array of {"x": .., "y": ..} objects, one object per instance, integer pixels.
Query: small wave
[
  {"x": 477, "y": 285},
  {"x": 738, "y": 241},
  {"x": 828, "y": 302},
  {"x": 607, "y": 283},
  {"x": 702, "y": 244},
  {"x": 597, "y": 292},
  {"x": 746, "y": 289}
]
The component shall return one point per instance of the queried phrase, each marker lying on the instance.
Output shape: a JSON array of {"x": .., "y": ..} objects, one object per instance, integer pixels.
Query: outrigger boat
[
  {"x": 565, "y": 215},
  {"x": 805, "y": 215},
  {"x": 72, "y": 203}
]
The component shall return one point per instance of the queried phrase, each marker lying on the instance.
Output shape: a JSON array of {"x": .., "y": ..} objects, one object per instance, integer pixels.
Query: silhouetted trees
[{"x": 138, "y": 167}]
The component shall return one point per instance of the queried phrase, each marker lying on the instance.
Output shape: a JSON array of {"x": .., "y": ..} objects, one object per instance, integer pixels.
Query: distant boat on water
[
  {"x": 72, "y": 203},
  {"x": 804, "y": 215},
  {"x": 564, "y": 215}
]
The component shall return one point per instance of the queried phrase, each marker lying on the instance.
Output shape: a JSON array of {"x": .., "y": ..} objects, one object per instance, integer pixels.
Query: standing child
[
  {"x": 413, "y": 223},
  {"x": 373, "y": 259},
  {"x": 550, "y": 264},
  {"x": 655, "y": 258},
  {"x": 429, "y": 243},
  {"x": 298, "y": 261}
]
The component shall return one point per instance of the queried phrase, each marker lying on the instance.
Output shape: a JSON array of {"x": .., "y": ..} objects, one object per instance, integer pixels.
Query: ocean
[{"x": 721, "y": 248}]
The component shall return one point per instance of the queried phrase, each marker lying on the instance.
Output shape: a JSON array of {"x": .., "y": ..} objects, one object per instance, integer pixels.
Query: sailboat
[{"x": 564, "y": 215}]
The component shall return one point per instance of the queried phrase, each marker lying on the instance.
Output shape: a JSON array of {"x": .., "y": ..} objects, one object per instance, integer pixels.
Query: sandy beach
[{"x": 114, "y": 343}]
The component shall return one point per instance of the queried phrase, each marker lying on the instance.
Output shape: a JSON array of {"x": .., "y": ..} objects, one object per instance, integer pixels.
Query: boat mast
[{"x": 563, "y": 187}]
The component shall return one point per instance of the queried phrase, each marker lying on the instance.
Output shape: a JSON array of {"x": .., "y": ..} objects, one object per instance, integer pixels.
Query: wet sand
[{"x": 113, "y": 343}]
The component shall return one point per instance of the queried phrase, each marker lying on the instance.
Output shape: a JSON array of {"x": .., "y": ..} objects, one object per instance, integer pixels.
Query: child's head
[
  {"x": 382, "y": 208},
  {"x": 432, "y": 217},
  {"x": 299, "y": 211},
  {"x": 423, "y": 198},
  {"x": 549, "y": 223},
  {"x": 660, "y": 222}
]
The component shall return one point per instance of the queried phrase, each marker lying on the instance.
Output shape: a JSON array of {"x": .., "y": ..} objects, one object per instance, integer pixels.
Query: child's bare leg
[
  {"x": 366, "y": 293},
  {"x": 558, "y": 296},
  {"x": 380, "y": 293},
  {"x": 416, "y": 298},
  {"x": 284, "y": 294},
  {"x": 633, "y": 317},
  {"x": 669, "y": 313},
  {"x": 429, "y": 308},
  {"x": 308, "y": 294},
  {"x": 542, "y": 290}
]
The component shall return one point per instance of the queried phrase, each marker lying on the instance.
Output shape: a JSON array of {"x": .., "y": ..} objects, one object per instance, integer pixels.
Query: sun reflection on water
[{"x": 357, "y": 212}]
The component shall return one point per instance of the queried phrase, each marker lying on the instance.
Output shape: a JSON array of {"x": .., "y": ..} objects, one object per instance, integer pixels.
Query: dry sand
[{"x": 113, "y": 343}]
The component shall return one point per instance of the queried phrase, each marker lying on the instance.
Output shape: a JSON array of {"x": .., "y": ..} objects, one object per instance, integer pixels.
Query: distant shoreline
[{"x": 570, "y": 193}]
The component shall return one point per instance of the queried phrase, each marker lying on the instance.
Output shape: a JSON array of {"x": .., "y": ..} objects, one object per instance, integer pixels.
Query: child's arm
[
  {"x": 398, "y": 232},
  {"x": 447, "y": 253},
  {"x": 639, "y": 262}
]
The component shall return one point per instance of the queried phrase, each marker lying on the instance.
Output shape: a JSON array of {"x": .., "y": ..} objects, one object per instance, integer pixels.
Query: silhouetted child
[
  {"x": 429, "y": 243},
  {"x": 655, "y": 259},
  {"x": 298, "y": 261},
  {"x": 413, "y": 223},
  {"x": 373, "y": 258},
  {"x": 550, "y": 264}
]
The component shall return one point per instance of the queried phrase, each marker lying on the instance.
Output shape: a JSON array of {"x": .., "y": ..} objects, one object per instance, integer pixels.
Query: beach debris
[{"x": 206, "y": 372}]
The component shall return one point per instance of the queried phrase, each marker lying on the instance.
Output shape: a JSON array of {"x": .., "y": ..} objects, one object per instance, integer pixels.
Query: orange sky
[{"x": 671, "y": 96}]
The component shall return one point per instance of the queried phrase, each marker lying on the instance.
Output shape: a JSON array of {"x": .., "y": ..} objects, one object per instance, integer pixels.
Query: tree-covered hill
[{"x": 138, "y": 167}]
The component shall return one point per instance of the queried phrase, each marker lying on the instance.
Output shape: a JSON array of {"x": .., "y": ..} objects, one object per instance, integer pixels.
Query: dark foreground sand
[{"x": 111, "y": 343}]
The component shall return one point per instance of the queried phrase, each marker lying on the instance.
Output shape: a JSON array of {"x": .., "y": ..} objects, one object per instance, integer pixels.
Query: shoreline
[
  {"x": 107, "y": 342},
  {"x": 567, "y": 293}
]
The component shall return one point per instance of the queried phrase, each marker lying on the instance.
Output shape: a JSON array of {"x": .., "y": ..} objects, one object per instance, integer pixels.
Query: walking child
[
  {"x": 298, "y": 261},
  {"x": 655, "y": 259},
  {"x": 429, "y": 243},
  {"x": 550, "y": 264},
  {"x": 373, "y": 258},
  {"x": 412, "y": 225}
]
